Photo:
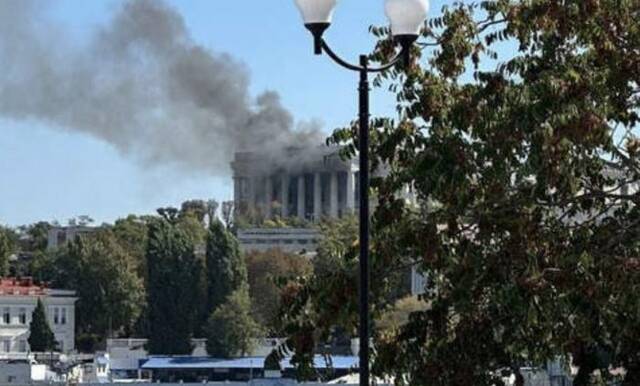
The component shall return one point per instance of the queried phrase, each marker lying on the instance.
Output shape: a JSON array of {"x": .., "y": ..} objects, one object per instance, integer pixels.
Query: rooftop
[
  {"x": 25, "y": 286},
  {"x": 21, "y": 287},
  {"x": 337, "y": 362}
]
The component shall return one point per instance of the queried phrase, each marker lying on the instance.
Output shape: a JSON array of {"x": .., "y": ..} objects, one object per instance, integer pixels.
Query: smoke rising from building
[{"x": 141, "y": 84}]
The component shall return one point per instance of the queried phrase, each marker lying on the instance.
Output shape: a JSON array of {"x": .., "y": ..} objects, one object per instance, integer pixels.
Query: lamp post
[{"x": 406, "y": 17}]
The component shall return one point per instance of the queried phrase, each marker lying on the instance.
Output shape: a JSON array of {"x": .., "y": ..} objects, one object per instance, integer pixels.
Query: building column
[
  {"x": 268, "y": 196},
  {"x": 302, "y": 202},
  {"x": 253, "y": 200},
  {"x": 317, "y": 196},
  {"x": 284, "y": 194},
  {"x": 351, "y": 190},
  {"x": 333, "y": 195}
]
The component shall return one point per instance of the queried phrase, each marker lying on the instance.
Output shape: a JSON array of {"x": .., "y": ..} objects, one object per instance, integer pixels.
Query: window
[
  {"x": 6, "y": 345},
  {"x": 63, "y": 318},
  {"x": 22, "y": 315},
  {"x": 6, "y": 315},
  {"x": 56, "y": 315},
  {"x": 61, "y": 345},
  {"x": 22, "y": 346}
]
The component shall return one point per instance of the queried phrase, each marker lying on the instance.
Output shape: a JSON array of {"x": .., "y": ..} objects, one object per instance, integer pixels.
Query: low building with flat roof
[{"x": 205, "y": 369}]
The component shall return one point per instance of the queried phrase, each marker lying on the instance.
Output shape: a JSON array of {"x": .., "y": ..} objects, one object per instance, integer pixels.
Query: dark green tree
[
  {"x": 7, "y": 247},
  {"x": 41, "y": 337},
  {"x": 131, "y": 234},
  {"x": 174, "y": 286},
  {"x": 111, "y": 295},
  {"x": 36, "y": 237},
  {"x": 231, "y": 330},
  {"x": 518, "y": 134},
  {"x": 226, "y": 269}
]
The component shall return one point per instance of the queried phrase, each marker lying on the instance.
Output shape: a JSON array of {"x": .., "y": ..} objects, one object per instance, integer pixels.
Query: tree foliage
[
  {"x": 231, "y": 330},
  {"x": 131, "y": 234},
  {"x": 265, "y": 269},
  {"x": 41, "y": 337},
  {"x": 517, "y": 131},
  {"x": 110, "y": 294},
  {"x": 175, "y": 286},
  {"x": 7, "y": 247},
  {"x": 392, "y": 320},
  {"x": 36, "y": 237},
  {"x": 226, "y": 269}
]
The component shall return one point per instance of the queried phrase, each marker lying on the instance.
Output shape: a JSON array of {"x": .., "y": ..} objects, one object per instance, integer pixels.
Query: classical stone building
[{"x": 300, "y": 182}]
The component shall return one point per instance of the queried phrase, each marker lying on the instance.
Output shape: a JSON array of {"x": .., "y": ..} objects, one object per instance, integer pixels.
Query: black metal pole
[
  {"x": 364, "y": 221},
  {"x": 363, "y": 69}
]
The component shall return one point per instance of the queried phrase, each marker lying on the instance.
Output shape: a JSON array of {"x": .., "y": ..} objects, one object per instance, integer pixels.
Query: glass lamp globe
[
  {"x": 316, "y": 11},
  {"x": 406, "y": 16}
]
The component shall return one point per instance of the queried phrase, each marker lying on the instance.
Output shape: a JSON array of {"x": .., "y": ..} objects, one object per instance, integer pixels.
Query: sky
[{"x": 48, "y": 174}]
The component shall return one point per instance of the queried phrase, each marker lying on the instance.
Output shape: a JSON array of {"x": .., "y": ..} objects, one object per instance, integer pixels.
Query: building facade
[
  {"x": 308, "y": 184},
  {"x": 18, "y": 299},
  {"x": 58, "y": 236},
  {"x": 292, "y": 240}
]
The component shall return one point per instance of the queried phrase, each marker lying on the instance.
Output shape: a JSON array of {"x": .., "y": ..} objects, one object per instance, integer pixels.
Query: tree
[
  {"x": 231, "y": 331},
  {"x": 392, "y": 321},
  {"x": 174, "y": 287},
  {"x": 226, "y": 270},
  {"x": 36, "y": 235},
  {"x": 131, "y": 234},
  {"x": 104, "y": 276},
  {"x": 517, "y": 132},
  {"x": 41, "y": 337},
  {"x": 264, "y": 270},
  {"x": 7, "y": 247},
  {"x": 200, "y": 210}
]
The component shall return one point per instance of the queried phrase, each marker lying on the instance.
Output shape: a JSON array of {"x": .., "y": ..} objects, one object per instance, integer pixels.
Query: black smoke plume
[{"x": 141, "y": 84}]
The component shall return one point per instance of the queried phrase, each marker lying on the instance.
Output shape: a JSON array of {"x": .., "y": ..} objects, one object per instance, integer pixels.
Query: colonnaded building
[
  {"x": 305, "y": 183},
  {"x": 301, "y": 185}
]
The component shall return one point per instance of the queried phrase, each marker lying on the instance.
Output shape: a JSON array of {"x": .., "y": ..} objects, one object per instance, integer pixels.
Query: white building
[
  {"x": 292, "y": 240},
  {"x": 59, "y": 236},
  {"x": 23, "y": 373},
  {"x": 18, "y": 299},
  {"x": 126, "y": 355}
]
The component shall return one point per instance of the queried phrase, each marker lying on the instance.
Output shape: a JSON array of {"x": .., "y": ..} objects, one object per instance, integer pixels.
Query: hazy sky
[{"x": 49, "y": 174}]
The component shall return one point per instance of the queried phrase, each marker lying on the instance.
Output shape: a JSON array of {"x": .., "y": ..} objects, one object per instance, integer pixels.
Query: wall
[{"x": 13, "y": 373}]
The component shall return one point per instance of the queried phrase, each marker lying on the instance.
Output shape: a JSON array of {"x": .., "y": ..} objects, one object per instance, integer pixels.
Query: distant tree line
[{"x": 169, "y": 277}]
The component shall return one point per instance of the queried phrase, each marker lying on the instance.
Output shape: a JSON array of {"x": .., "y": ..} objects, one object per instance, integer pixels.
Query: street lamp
[{"x": 406, "y": 18}]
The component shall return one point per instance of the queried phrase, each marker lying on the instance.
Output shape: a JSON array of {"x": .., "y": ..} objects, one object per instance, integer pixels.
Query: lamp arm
[{"x": 399, "y": 58}]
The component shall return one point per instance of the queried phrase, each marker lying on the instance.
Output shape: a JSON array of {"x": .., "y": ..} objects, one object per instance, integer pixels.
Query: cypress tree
[
  {"x": 173, "y": 289},
  {"x": 6, "y": 248},
  {"x": 41, "y": 337},
  {"x": 226, "y": 270}
]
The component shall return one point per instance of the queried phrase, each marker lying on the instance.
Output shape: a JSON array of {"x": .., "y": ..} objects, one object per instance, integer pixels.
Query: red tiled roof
[{"x": 21, "y": 287}]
